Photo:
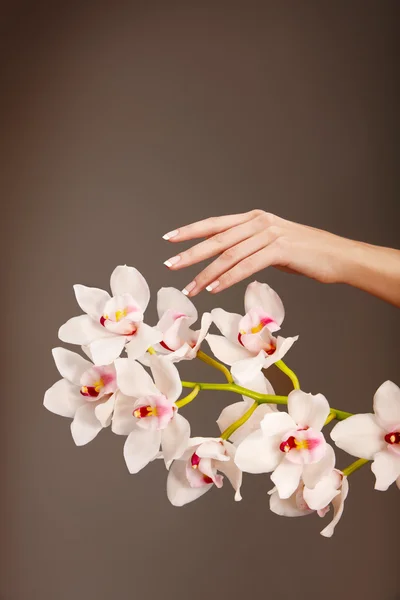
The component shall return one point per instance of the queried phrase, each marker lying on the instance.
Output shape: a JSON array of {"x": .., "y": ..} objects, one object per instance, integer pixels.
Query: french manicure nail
[
  {"x": 172, "y": 261},
  {"x": 212, "y": 286},
  {"x": 189, "y": 288},
  {"x": 170, "y": 234}
]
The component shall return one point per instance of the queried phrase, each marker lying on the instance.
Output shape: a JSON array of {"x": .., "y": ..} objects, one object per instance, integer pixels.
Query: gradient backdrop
[{"x": 119, "y": 123}]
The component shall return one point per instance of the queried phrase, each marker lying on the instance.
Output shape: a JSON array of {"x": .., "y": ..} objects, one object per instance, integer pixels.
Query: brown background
[{"x": 120, "y": 122}]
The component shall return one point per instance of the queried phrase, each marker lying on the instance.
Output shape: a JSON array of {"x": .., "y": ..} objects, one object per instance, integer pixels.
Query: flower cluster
[{"x": 139, "y": 396}]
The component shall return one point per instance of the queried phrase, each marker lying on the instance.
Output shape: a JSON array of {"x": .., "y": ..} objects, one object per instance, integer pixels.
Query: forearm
[{"x": 375, "y": 270}]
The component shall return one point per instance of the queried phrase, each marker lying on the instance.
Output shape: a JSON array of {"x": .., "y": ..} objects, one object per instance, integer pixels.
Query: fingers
[
  {"x": 209, "y": 227},
  {"x": 252, "y": 264},
  {"x": 217, "y": 244},
  {"x": 229, "y": 258}
]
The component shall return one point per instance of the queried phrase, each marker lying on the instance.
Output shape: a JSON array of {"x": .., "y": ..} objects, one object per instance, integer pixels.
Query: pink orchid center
[
  {"x": 195, "y": 462},
  {"x": 303, "y": 446},
  {"x": 393, "y": 437},
  {"x": 98, "y": 381},
  {"x": 154, "y": 412},
  {"x": 121, "y": 315},
  {"x": 254, "y": 333}
]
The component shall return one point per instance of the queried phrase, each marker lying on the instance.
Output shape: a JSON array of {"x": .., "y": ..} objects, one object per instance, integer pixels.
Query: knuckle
[
  {"x": 282, "y": 247},
  {"x": 218, "y": 239},
  {"x": 268, "y": 219},
  {"x": 275, "y": 231},
  {"x": 228, "y": 255},
  {"x": 256, "y": 212}
]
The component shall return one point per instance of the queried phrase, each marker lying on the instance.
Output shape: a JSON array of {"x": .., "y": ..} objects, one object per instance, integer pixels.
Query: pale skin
[{"x": 247, "y": 243}]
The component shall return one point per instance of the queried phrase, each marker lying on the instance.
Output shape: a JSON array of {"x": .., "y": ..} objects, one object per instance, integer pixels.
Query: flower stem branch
[
  {"x": 237, "y": 389},
  {"x": 214, "y": 363},
  {"x": 331, "y": 416},
  {"x": 225, "y": 435},
  {"x": 188, "y": 398},
  {"x": 291, "y": 374},
  {"x": 354, "y": 466}
]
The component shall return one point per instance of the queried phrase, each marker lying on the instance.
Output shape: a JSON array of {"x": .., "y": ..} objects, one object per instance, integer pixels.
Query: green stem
[
  {"x": 237, "y": 389},
  {"x": 291, "y": 374},
  {"x": 214, "y": 363},
  {"x": 188, "y": 398},
  {"x": 330, "y": 417},
  {"x": 354, "y": 466},
  {"x": 232, "y": 428}
]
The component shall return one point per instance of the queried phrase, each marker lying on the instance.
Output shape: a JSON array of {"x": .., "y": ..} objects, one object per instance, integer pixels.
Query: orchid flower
[
  {"x": 196, "y": 471},
  {"x": 244, "y": 337},
  {"x": 112, "y": 322},
  {"x": 146, "y": 412},
  {"x": 330, "y": 489},
  {"x": 290, "y": 444},
  {"x": 376, "y": 436},
  {"x": 176, "y": 315},
  {"x": 86, "y": 393}
]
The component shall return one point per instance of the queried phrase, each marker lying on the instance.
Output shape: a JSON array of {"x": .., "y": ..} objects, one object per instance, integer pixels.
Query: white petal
[
  {"x": 386, "y": 468},
  {"x": 286, "y": 477},
  {"x": 128, "y": 280},
  {"x": 225, "y": 350},
  {"x": 258, "y": 453},
  {"x": 213, "y": 449},
  {"x": 91, "y": 300},
  {"x": 179, "y": 491},
  {"x": 174, "y": 439},
  {"x": 387, "y": 404},
  {"x": 141, "y": 447},
  {"x": 323, "y": 493},
  {"x": 206, "y": 320},
  {"x": 313, "y": 472},
  {"x": 283, "y": 345},
  {"x": 63, "y": 399},
  {"x": 172, "y": 299},
  {"x": 261, "y": 295},
  {"x": 104, "y": 410},
  {"x": 308, "y": 410},
  {"x": 230, "y": 469},
  {"x": 359, "y": 435},
  {"x": 70, "y": 364},
  {"x": 85, "y": 425},
  {"x": 227, "y": 323},
  {"x": 277, "y": 424},
  {"x": 123, "y": 421},
  {"x": 133, "y": 379},
  {"x": 145, "y": 337},
  {"x": 248, "y": 370},
  {"x": 232, "y": 413},
  {"x": 82, "y": 330},
  {"x": 286, "y": 507},
  {"x": 107, "y": 350},
  {"x": 338, "y": 506},
  {"x": 166, "y": 377}
]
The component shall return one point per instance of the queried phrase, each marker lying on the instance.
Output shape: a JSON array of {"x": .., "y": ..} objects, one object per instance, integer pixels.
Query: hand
[{"x": 249, "y": 242}]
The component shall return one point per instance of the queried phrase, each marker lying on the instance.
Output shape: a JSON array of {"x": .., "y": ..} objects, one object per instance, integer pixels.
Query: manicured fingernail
[
  {"x": 189, "y": 288},
  {"x": 170, "y": 234},
  {"x": 172, "y": 261},
  {"x": 212, "y": 286}
]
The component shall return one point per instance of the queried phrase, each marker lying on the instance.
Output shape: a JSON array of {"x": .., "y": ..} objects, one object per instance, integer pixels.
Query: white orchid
[
  {"x": 86, "y": 394},
  {"x": 244, "y": 337},
  {"x": 112, "y": 322},
  {"x": 146, "y": 412},
  {"x": 376, "y": 436},
  {"x": 176, "y": 314},
  {"x": 290, "y": 444},
  {"x": 330, "y": 489},
  {"x": 196, "y": 471}
]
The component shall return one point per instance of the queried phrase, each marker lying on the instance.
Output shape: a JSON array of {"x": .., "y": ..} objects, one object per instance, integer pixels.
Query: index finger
[{"x": 208, "y": 227}]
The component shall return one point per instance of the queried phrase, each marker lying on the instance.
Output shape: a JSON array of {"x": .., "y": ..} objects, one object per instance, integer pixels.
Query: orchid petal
[
  {"x": 174, "y": 439},
  {"x": 141, "y": 447},
  {"x": 387, "y": 404},
  {"x": 247, "y": 370},
  {"x": 105, "y": 351},
  {"x": 166, "y": 377},
  {"x": 144, "y": 338},
  {"x": 230, "y": 469},
  {"x": 386, "y": 468},
  {"x": 70, "y": 365},
  {"x": 91, "y": 300},
  {"x": 286, "y": 507},
  {"x": 82, "y": 330},
  {"x": 232, "y": 413},
  {"x": 85, "y": 425},
  {"x": 261, "y": 295},
  {"x": 206, "y": 320},
  {"x": 277, "y": 424},
  {"x": 179, "y": 491},
  {"x": 313, "y": 472},
  {"x": 286, "y": 477},
  {"x": 63, "y": 398},
  {"x": 123, "y": 421},
  {"x": 133, "y": 379},
  {"x": 227, "y": 323},
  {"x": 104, "y": 410},
  {"x": 283, "y": 345},
  {"x": 359, "y": 435},
  {"x": 258, "y": 453},
  {"x": 225, "y": 350},
  {"x": 308, "y": 410},
  {"x": 169, "y": 298},
  {"x": 338, "y": 507},
  {"x": 128, "y": 280},
  {"x": 324, "y": 491}
]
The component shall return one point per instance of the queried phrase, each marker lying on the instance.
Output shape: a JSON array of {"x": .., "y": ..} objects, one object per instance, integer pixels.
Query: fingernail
[
  {"x": 189, "y": 288},
  {"x": 172, "y": 261},
  {"x": 170, "y": 234},
  {"x": 212, "y": 286}
]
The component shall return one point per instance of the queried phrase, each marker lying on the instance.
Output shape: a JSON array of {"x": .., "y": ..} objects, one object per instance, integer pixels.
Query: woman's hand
[{"x": 247, "y": 243}]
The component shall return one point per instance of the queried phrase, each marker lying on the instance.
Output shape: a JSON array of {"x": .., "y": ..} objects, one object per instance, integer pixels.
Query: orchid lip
[
  {"x": 393, "y": 437},
  {"x": 145, "y": 411}
]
